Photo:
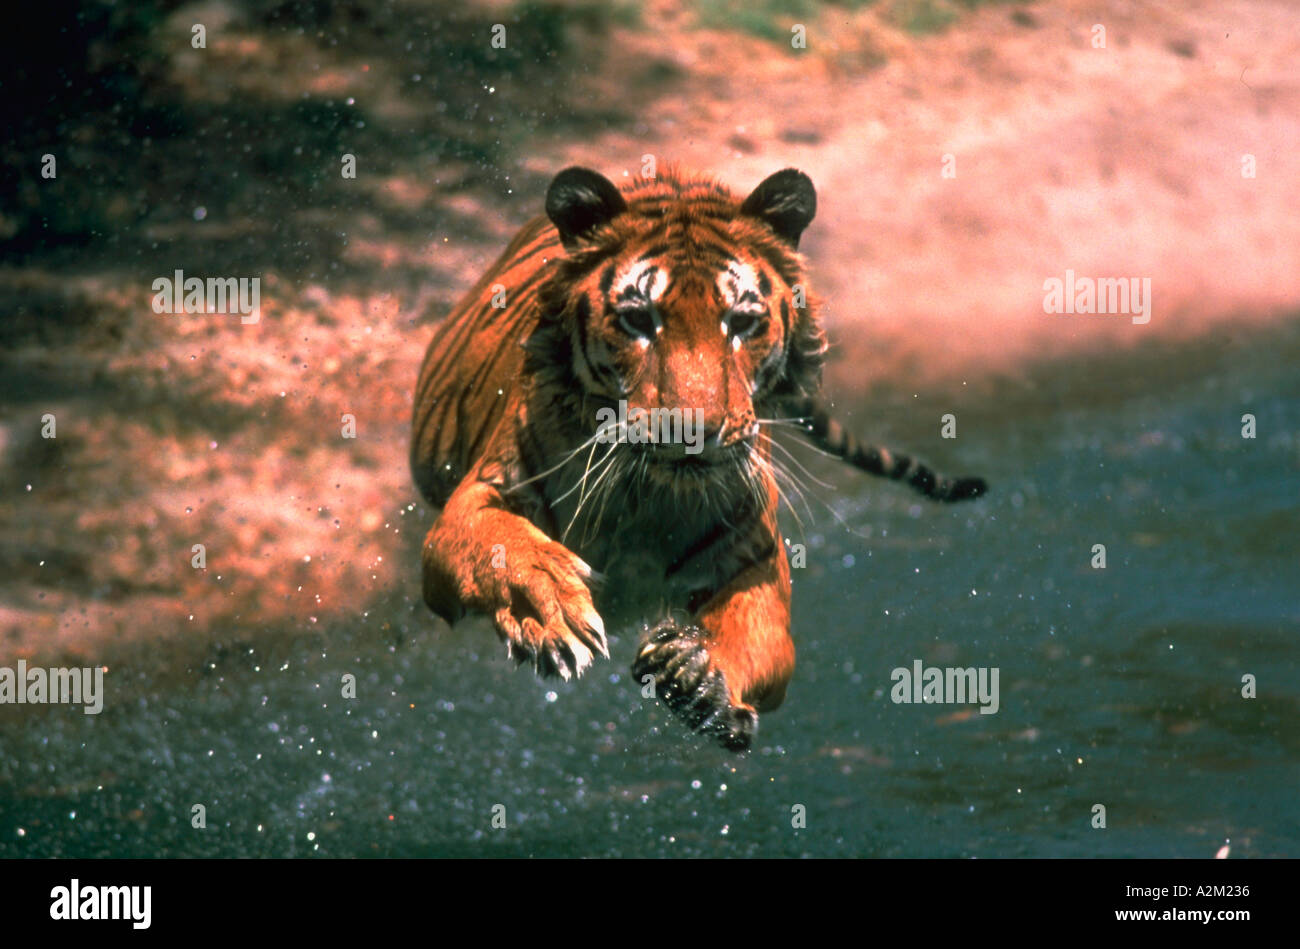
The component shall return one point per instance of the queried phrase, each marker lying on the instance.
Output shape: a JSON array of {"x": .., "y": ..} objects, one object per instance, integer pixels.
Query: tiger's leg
[
  {"x": 735, "y": 661},
  {"x": 481, "y": 556}
]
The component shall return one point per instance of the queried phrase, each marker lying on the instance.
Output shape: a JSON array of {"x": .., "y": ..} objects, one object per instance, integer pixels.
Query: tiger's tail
[{"x": 826, "y": 433}]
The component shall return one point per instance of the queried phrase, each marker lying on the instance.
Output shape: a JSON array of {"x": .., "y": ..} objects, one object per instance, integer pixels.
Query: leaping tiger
[{"x": 667, "y": 294}]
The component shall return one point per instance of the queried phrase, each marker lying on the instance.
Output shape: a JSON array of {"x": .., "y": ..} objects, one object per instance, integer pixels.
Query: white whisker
[
  {"x": 839, "y": 518},
  {"x": 562, "y": 462},
  {"x": 795, "y": 461},
  {"x": 608, "y": 461}
]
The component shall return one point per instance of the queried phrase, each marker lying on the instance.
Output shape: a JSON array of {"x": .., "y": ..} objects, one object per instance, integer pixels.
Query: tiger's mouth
[{"x": 671, "y": 458}]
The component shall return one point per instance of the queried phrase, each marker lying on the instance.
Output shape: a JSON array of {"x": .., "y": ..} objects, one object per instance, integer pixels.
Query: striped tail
[{"x": 830, "y": 435}]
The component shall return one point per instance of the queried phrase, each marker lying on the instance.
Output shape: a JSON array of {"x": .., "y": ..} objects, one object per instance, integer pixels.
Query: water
[{"x": 1119, "y": 687}]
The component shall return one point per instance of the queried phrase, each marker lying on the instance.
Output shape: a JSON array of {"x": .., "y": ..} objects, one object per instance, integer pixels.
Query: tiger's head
[{"x": 678, "y": 300}]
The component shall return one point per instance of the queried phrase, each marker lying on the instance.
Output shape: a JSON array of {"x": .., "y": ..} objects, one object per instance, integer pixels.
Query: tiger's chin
[{"x": 722, "y": 471}]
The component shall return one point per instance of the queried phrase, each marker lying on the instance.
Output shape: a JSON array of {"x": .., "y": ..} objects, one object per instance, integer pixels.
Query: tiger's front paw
[
  {"x": 677, "y": 658},
  {"x": 542, "y": 608}
]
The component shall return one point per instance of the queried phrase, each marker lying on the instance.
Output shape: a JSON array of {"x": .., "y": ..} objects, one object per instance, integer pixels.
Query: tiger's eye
[
  {"x": 637, "y": 322},
  {"x": 745, "y": 323}
]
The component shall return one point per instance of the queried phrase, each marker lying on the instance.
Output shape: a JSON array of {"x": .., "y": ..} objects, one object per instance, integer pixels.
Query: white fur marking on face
[
  {"x": 738, "y": 287},
  {"x": 641, "y": 279}
]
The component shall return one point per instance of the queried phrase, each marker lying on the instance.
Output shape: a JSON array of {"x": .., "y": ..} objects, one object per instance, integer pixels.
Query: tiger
[{"x": 667, "y": 294}]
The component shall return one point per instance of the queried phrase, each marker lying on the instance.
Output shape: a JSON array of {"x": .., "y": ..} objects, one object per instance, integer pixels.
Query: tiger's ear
[
  {"x": 786, "y": 202},
  {"x": 579, "y": 200}
]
